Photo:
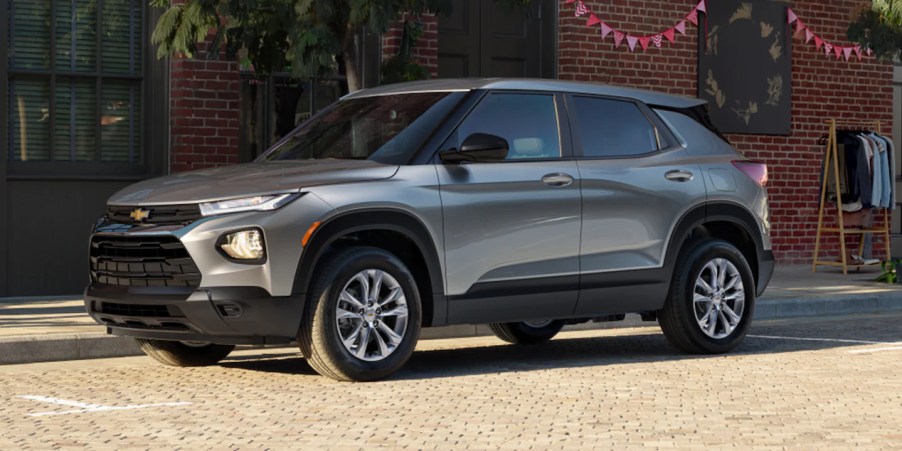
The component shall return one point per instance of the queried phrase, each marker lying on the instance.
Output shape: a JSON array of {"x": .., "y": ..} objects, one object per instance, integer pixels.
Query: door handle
[
  {"x": 558, "y": 180},
  {"x": 679, "y": 176}
]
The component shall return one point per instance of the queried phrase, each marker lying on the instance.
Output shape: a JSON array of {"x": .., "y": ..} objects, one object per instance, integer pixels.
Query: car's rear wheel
[
  {"x": 711, "y": 301},
  {"x": 184, "y": 353},
  {"x": 362, "y": 319},
  {"x": 527, "y": 332}
]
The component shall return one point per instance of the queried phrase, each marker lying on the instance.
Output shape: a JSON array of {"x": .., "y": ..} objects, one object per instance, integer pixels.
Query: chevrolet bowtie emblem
[{"x": 139, "y": 214}]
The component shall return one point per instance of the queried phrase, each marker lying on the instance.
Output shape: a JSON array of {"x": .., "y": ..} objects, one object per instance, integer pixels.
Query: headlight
[
  {"x": 256, "y": 203},
  {"x": 244, "y": 245}
]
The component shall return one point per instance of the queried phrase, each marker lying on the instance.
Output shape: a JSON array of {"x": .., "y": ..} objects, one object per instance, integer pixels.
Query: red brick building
[{"x": 201, "y": 113}]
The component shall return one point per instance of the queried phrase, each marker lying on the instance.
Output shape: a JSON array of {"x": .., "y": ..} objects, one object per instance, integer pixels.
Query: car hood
[{"x": 245, "y": 180}]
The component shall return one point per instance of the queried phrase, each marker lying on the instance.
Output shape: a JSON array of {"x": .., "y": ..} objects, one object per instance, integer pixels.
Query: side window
[
  {"x": 527, "y": 121},
  {"x": 613, "y": 128}
]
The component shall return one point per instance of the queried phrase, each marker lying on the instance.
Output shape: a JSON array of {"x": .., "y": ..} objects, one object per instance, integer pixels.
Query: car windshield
[{"x": 387, "y": 129}]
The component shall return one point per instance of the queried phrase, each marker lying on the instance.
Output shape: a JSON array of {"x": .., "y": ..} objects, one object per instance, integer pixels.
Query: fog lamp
[{"x": 244, "y": 245}]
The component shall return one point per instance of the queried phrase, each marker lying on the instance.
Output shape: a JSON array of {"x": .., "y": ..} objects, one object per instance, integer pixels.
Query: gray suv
[{"x": 525, "y": 204}]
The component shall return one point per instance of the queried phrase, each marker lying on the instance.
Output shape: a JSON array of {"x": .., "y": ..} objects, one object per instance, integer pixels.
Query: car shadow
[{"x": 585, "y": 352}]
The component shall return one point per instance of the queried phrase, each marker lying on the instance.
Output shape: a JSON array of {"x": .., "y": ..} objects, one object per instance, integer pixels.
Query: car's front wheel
[
  {"x": 527, "y": 332},
  {"x": 711, "y": 301},
  {"x": 362, "y": 319},
  {"x": 184, "y": 353}
]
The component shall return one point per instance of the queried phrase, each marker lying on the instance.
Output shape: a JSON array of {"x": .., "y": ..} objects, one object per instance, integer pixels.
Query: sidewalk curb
[{"x": 61, "y": 347}]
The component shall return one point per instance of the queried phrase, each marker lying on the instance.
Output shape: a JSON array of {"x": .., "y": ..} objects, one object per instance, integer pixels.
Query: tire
[
  {"x": 329, "y": 320},
  {"x": 696, "y": 296},
  {"x": 177, "y": 353},
  {"x": 523, "y": 333}
]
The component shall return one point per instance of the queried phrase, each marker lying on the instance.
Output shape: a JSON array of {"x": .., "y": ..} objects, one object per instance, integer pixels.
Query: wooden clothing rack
[{"x": 832, "y": 163}]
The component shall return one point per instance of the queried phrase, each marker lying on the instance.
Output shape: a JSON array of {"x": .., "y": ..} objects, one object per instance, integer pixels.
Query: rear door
[
  {"x": 637, "y": 182},
  {"x": 512, "y": 228}
]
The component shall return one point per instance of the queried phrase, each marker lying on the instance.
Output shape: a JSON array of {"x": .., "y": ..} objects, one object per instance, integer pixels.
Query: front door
[
  {"x": 512, "y": 228},
  {"x": 495, "y": 39}
]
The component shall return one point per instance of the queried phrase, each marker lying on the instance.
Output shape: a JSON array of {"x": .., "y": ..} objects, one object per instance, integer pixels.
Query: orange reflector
[{"x": 309, "y": 233}]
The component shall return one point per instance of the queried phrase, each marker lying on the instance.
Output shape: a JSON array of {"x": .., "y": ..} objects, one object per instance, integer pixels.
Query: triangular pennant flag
[
  {"x": 645, "y": 40},
  {"x": 808, "y": 35},
  {"x": 618, "y": 38},
  {"x": 669, "y": 34},
  {"x": 838, "y": 51},
  {"x": 792, "y": 15},
  {"x": 593, "y": 19},
  {"x": 701, "y": 6},
  {"x": 657, "y": 39},
  {"x": 693, "y": 17},
  {"x": 569, "y": 1},
  {"x": 631, "y": 42},
  {"x": 847, "y": 51},
  {"x": 581, "y": 8},
  {"x": 681, "y": 27},
  {"x": 858, "y": 52},
  {"x": 605, "y": 30},
  {"x": 828, "y": 47},
  {"x": 800, "y": 26},
  {"x": 870, "y": 51},
  {"x": 818, "y": 41}
]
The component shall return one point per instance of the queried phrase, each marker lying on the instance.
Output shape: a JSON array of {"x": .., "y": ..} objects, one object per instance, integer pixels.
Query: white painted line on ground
[
  {"x": 835, "y": 340},
  {"x": 86, "y": 407},
  {"x": 868, "y": 351}
]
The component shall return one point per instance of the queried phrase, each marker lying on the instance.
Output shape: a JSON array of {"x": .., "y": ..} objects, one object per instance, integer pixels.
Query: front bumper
[{"x": 224, "y": 315}]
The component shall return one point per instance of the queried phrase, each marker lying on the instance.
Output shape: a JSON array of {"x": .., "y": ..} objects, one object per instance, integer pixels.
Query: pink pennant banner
[
  {"x": 837, "y": 49},
  {"x": 569, "y": 1},
  {"x": 858, "y": 52},
  {"x": 693, "y": 17},
  {"x": 791, "y": 16},
  {"x": 808, "y": 36},
  {"x": 681, "y": 27},
  {"x": 618, "y": 39},
  {"x": 631, "y": 42},
  {"x": 702, "y": 7},
  {"x": 605, "y": 30},
  {"x": 828, "y": 47},
  {"x": 657, "y": 39},
  {"x": 593, "y": 19},
  {"x": 819, "y": 42},
  {"x": 645, "y": 40},
  {"x": 581, "y": 8},
  {"x": 670, "y": 35},
  {"x": 847, "y": 51},
  {"x": 800, "y": 26}
]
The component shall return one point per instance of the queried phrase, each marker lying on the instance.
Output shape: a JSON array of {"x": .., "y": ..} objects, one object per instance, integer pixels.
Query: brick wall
[
  {"x": 821, "y": 88},
  {"x": 204, "y": 98},
  {"x": 425, "y": 49}
]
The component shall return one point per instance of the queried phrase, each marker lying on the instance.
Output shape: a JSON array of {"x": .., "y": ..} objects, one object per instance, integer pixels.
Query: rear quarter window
[
  {"x": 611, "y": 128},
  {"x": 695, "y": 136}
]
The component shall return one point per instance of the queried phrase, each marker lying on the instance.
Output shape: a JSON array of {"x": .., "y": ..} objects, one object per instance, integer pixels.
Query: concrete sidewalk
[{"x": 40, "y": 330}]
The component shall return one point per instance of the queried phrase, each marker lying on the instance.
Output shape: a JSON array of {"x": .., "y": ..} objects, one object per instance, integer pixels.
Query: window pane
[
  {"x": 29, "y": 34},
  {"x": 76, "y": 120},
  {"x": 121, "y": 36},
  {"x": 527, "y": 121},
  {"x": 613, "y": 128},
  {"x": 120, "y": 122},
  {"x": 29, "y": 120},
  {"x": 76, "y": 35}
]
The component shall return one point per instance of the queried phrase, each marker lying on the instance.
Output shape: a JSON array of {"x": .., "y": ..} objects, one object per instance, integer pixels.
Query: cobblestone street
[{"x": 796, "y": 384}]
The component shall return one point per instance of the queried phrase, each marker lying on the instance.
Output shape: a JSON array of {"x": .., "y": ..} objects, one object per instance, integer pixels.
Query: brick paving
[{"x": 588, "y": 389}]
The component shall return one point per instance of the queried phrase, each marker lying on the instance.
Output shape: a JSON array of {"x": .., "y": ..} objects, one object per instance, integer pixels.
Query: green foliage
[
  {"x": 307, "y": 37},
  {"x": 879, "y": 27},
  {"x": 888, "y": 268},
  {"x": 402, "y": 67}
]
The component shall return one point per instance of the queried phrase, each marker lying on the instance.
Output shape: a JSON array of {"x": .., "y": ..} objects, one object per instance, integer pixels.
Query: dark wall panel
[{"x": 50, "y": 222}]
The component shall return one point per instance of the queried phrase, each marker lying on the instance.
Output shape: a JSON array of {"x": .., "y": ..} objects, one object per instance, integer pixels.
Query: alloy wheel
[
  {"x": 371, "y": 315},
  {"x": 718, "y": 298}
]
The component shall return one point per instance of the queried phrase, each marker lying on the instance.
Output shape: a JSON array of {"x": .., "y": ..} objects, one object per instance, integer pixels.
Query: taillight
[{"x": 757, "y": 171}]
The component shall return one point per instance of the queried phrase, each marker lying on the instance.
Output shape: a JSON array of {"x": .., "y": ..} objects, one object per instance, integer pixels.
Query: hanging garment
[
  {"x": 857, "y": 168},
  {"x": 885, "y": 181}
]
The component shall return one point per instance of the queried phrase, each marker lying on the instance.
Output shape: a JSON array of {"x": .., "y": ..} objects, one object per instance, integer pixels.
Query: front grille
[
  {"x": 159, "y": 214},
  {"x": 142, "y": 261},
  {"x": 138, "y": 310}
]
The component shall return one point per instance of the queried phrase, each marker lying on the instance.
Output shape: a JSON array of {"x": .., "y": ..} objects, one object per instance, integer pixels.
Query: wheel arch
[
  {"x": 370, "y": 225},
  {"x": 721, "y": 220}
]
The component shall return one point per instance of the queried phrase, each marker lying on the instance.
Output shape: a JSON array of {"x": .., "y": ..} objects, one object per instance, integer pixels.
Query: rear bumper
[
  {"x": 765, "y": 270},
  {"x": 224, "y": 315}
]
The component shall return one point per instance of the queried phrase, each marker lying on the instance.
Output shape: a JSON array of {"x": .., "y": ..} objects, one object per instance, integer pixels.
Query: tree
[
  {"x": 879, "y": 27},
  {"x": 312, "y": 38}
]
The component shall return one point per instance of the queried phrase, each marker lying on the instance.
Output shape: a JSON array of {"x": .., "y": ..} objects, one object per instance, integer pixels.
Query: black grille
[
  {"x": 160, "y": 214},
  {"x": 153, "y": 311},
  {"x": 142, "y": 261}
]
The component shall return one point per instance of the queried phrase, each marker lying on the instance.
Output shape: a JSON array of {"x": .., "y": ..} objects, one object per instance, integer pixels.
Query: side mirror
[{"x": 478, "y": 148}]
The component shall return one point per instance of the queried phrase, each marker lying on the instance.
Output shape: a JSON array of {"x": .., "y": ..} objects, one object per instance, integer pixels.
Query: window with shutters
[{"x": 75, "y": 77}]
